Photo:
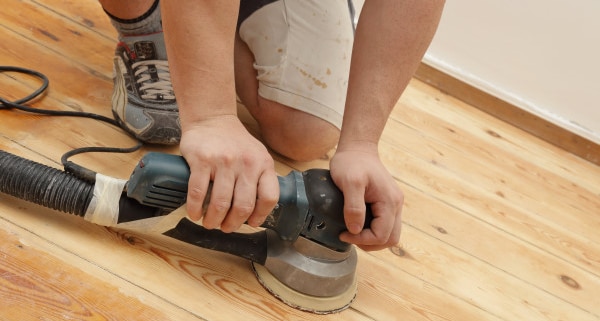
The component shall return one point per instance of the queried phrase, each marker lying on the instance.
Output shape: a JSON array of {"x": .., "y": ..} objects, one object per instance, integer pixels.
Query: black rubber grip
[{"x": 251, "y": 246}]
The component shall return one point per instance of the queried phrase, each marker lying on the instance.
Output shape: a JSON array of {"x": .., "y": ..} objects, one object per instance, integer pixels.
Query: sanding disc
[{"x": 301, "y": 301}]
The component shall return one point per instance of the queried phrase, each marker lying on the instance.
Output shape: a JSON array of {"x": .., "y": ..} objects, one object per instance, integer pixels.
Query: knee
[
  {"x": 295, "y": 134},
  {"x": 300, "y": 145}
]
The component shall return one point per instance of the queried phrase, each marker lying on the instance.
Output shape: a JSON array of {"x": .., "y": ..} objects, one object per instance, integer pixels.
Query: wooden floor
[{"x": 498, "y": 225}]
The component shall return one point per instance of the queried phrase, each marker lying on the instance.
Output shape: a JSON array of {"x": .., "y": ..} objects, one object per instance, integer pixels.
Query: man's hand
[
  {"x": 390, "y": 41},
  {"x": 199, "y": 36},
  {"x": 245, "y": 185},
  {"x": 362, "y": 178}
]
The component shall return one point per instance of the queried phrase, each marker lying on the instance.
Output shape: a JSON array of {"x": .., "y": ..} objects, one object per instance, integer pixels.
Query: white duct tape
[{"x": 104, "y": 206}]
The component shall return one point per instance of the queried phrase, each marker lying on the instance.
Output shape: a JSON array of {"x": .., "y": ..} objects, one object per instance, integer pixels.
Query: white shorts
[{"x": 302, "y": 50}]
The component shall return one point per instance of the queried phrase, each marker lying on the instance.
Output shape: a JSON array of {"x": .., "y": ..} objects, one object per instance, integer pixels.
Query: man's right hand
[{"x": 245, "y": 186}]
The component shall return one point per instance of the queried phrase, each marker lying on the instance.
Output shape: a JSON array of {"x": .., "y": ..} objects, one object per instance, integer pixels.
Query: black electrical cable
[
  {"x": 69, "y": 166},
  {"x": 31, "y": 96}
]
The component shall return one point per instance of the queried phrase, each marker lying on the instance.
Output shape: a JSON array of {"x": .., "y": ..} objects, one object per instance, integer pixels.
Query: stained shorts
[{"x": 302, "y": 51}]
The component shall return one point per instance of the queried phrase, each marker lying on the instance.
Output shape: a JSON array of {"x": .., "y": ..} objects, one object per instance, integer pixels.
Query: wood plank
[
  {"x": 517, "y": 180},
  {"x": 87, "y": 13},
  {"x": 28, "y": 45},
  {"x": 35, "y": 285},
  {"x": 510, "y": 179},
  {"x": 461, "y": 122},
  {"x": 455, "y": 191},
  {"x": 492, "y": 259},
  {"x": 513, "y": 115},
  {"x": 504, "y": 170},
  {"x": 60, "y": 35},
  {"x": 389, "y": 293},
  {"x": 422, "y": 101},
  {"x": 491, "y": 209},
  {"x": 482, "y": 284}
]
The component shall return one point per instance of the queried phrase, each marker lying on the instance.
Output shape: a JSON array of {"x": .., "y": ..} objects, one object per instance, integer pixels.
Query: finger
[
  {"x": 198, "y": 189},
  {"x": 392, "y": 240},
  {"x": 220, "y": 199},
  {"x": 381, "y": 228},
  {"x": 244, "y": 199},
  {"x": 268, "y": 196},
  {"x": 354, "y": 208}
]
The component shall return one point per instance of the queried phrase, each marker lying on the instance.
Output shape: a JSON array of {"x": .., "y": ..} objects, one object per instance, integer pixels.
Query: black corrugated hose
[{"x": 44, "y": 185}]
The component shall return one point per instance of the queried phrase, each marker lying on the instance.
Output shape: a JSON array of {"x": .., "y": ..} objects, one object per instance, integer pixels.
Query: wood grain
[
  {"x": 498, "y": 224},
  {"x": 35, "y": 285},
  {"x": 529, "y": 122}
]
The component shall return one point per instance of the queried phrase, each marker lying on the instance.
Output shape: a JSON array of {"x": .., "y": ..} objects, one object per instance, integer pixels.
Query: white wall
[{"x": 540, "y": 55}]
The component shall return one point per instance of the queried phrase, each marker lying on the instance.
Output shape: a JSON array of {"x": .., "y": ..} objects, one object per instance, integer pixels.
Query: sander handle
[{"x": 310, "y": 204}]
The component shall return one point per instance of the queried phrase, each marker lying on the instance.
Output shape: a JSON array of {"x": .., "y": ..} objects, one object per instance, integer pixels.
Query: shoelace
[{"x": 151, "y": 89}]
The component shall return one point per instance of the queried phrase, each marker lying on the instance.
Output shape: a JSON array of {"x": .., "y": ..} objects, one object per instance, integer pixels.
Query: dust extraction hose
[{"x": 44, "y": 185}]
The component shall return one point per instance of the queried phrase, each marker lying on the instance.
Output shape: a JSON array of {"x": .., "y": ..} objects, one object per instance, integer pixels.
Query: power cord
[{"x": 69, "y": 166}]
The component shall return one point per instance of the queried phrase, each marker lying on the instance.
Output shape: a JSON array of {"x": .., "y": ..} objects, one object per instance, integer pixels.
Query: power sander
[{"x": 297, "y": 255}]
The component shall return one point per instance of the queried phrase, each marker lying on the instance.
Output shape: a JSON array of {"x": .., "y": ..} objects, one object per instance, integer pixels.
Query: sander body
[{"x": 296, "y": 255}]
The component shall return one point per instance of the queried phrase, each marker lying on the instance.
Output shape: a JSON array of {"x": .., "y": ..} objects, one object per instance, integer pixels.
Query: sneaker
[{"x": 143, "y": 101}]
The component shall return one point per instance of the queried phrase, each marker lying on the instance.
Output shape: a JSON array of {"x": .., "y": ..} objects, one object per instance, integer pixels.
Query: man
[{"x": 309, "y": 79}]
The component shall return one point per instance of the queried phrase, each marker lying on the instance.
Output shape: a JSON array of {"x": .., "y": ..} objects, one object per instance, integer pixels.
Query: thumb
[{"x": 354, "y": 209}]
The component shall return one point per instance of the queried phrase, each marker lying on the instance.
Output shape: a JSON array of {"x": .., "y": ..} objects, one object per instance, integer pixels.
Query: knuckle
[
  {"x": 269, "y": 199},
  {"x": 228, "y": 226},
  {"x": 227, "y": 160},
  {"x": 244, "y": 209},
  {"x": 221, "y": 205},
  {"x": 247, "y": 160},
  {"x": 355, "y": 210},
  {"x": 196, "y": 192},
  {"x": 256, "y": 162},
  {"x": 269, "y": 161},
  {"x": 256, "y": 219},
  {"x": 250, "y": 160}
]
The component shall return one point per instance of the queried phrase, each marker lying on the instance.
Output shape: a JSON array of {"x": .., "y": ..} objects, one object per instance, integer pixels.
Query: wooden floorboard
[
  {"x": 533, "y": 124},
  {"x": 498, "y": 223}
]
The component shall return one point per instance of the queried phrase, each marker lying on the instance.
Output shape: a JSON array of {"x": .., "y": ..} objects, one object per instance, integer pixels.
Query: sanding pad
[{"x": 301, "y": 301}]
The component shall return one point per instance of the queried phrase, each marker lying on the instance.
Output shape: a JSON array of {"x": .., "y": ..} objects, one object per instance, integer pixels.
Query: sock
[{"x": 149, "y": 22}]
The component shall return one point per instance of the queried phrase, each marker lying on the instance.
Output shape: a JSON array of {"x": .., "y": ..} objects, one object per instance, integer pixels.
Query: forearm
[
  {"x": 391, "y": 39},
  {"x": 199, "y": 36}
]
